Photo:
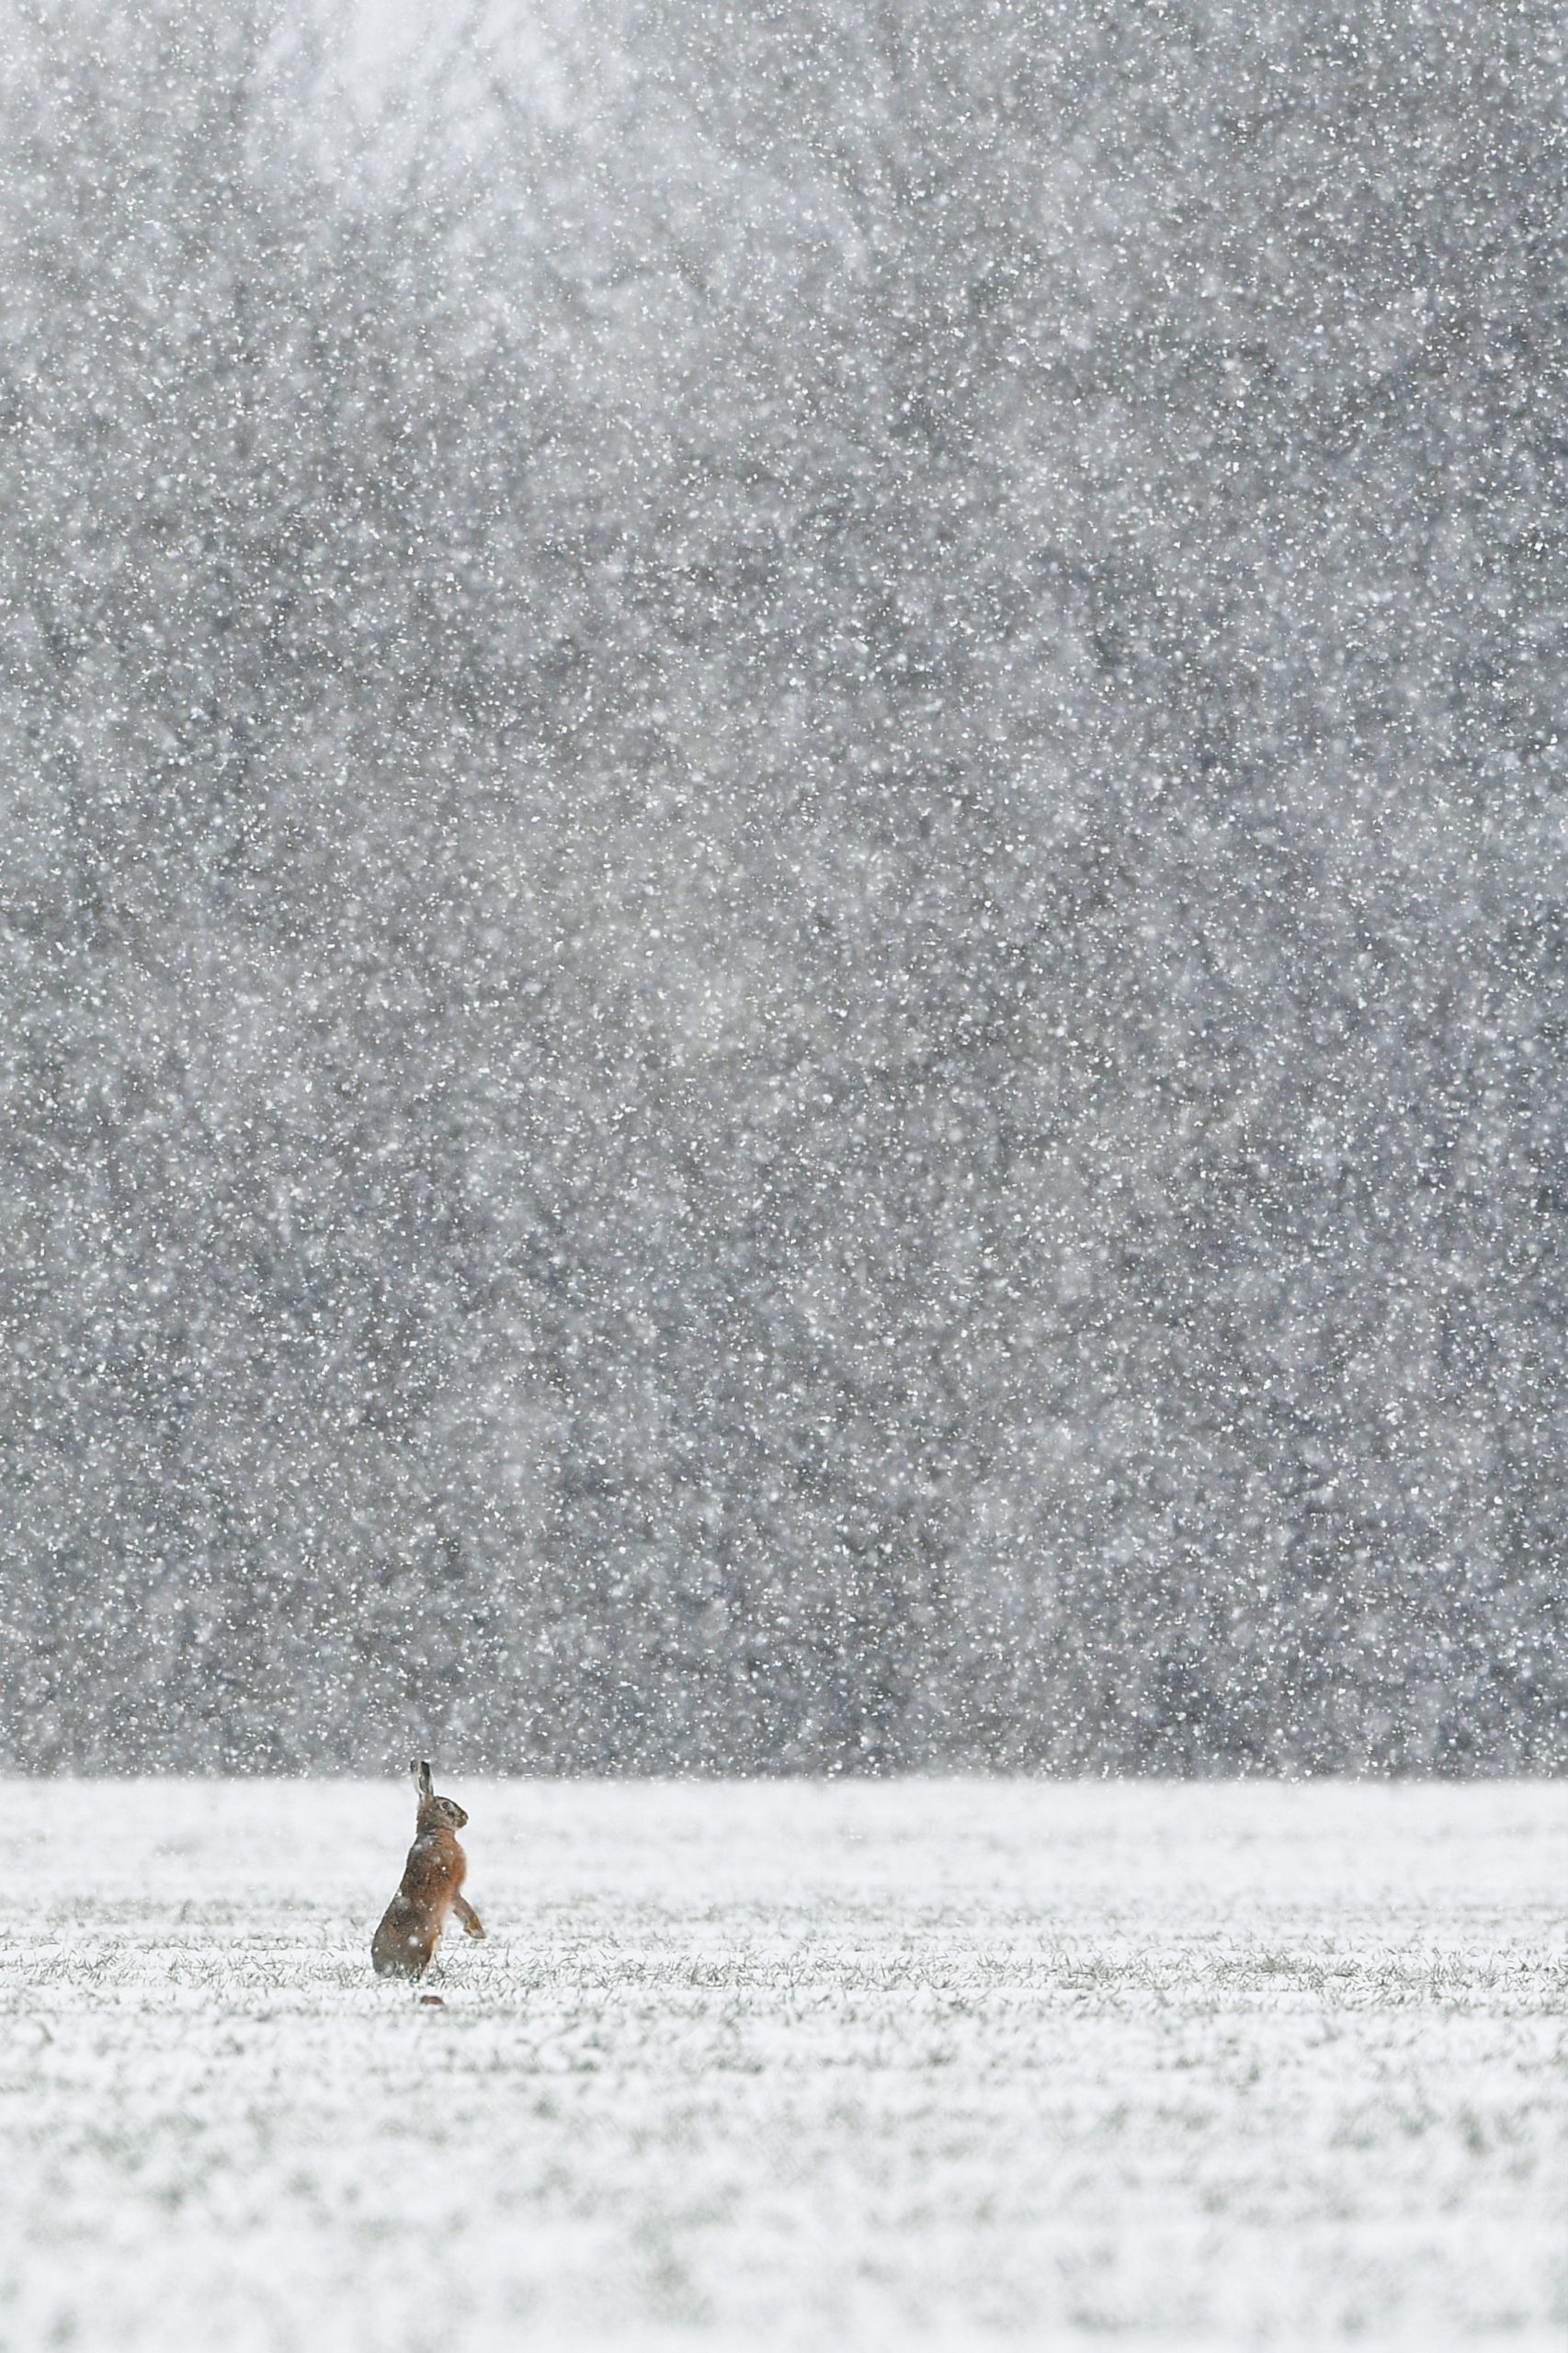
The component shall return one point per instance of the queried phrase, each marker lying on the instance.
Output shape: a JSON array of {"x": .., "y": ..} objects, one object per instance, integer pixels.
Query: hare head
[{"x": 432, "y": 1809}]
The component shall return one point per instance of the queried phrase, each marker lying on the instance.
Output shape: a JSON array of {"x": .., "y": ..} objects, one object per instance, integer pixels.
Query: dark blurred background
[{"x": 784, "y": 913}]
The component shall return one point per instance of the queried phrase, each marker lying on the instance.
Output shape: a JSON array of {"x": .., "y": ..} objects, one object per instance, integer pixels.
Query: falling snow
[{"x": 784, "y": 914}]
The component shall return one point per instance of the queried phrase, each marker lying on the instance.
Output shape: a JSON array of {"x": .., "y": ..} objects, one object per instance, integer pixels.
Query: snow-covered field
[{"x": 806, "y": 2064}]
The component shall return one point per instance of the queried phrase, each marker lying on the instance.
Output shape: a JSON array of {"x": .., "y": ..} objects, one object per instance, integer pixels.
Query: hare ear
[{"x": 422, "y": 1780}]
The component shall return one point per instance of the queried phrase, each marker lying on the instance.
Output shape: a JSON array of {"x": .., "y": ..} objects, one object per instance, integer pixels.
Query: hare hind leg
[{"x": 402, "y": 1945}]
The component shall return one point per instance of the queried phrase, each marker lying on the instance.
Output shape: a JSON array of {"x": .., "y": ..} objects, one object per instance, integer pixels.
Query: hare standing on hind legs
[{"x": 432, "y": 1886}]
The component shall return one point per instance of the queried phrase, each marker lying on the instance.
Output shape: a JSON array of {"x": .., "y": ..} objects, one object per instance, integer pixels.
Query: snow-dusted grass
[{"x": 864, "y": 2065}]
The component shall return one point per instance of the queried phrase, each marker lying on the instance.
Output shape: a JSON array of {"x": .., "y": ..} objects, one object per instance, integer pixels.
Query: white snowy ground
[{"x": 910, "y": 2064}]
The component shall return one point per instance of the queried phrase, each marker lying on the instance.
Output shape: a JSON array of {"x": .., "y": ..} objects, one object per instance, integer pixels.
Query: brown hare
[{"x": 432, "y": 1886}]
